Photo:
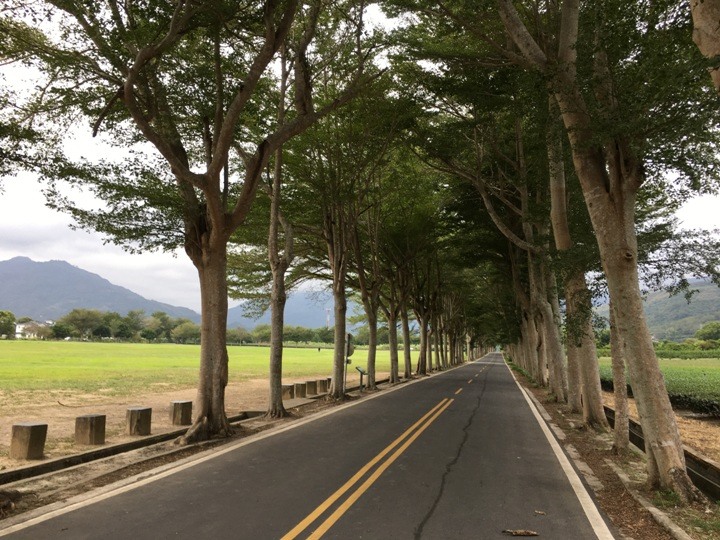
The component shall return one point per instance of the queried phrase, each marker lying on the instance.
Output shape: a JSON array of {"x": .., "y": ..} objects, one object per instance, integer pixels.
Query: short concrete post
[
  {"x": 138, "y": 420},
  {"x": 300, "y": 390},
  {"x": 28, "y": 440},
  {"x": 322, "y": 386},
  {"x": 311, "y": 388},
  {"x": 181, "y": 413},
  {"x": 288, "y": 391},
  {"x": 90, "y": 429}
]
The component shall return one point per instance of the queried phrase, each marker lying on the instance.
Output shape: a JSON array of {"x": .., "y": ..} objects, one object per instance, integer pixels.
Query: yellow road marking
[
  {"x": 469, "y": 381},
  {"x": 344, "y": 507},
  {"x": 458, "y": 391},
  {"x": 305, "y": 523}
]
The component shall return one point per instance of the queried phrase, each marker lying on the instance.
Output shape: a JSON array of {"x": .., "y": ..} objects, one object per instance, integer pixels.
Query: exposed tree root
[
  {"x": 203, "y": 430},
  {"x": 333, "y": 398},
  {"x": 7, "y": 501},
  {"x": 278, "y": 412},
  {"x": 685, "y": 489}
]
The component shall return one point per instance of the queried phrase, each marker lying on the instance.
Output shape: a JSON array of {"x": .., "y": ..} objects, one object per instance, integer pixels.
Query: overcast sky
[{"x": 29, "y": 229}]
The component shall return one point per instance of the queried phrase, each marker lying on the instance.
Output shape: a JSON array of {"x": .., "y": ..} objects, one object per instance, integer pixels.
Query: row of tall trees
[
  {"x": 476, "y": 171},
  {"x": 613, "y": 97}
]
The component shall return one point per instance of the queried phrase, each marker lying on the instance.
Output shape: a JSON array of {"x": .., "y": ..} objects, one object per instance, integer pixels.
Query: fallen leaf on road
[{"x": 520, "y": 532}]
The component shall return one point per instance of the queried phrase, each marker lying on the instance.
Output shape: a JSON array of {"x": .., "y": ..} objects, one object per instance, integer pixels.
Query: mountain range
[
  {"x": 673, "y": 318},
  {"x": 48, "y": 290}
]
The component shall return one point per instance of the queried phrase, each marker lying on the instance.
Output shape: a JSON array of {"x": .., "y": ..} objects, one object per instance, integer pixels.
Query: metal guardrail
[{"x": 704, "y": 472}]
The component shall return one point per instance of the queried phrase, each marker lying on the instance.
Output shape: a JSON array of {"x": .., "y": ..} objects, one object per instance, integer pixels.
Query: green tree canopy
[
  {"x": 709, "y": 330},
  {"x": 7, "y": 324}
]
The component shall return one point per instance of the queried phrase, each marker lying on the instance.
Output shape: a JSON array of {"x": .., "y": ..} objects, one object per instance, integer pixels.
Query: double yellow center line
[{"x": 402, "y": 442}]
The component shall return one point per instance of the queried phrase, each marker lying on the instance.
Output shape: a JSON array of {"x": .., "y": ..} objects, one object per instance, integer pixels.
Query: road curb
[{"x": 658, "y": 515}]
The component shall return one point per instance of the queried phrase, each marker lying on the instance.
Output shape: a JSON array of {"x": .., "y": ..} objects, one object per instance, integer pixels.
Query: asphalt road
[{"x": 454, "y": 456}]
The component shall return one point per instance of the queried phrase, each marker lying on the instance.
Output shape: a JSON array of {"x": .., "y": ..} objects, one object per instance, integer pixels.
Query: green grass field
[
  {"x": 690, "y": 383},
  {"x": 128, "y": 368}
]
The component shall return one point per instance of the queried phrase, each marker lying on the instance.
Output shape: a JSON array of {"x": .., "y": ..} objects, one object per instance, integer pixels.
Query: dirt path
[{"x": 60, "y": 408}]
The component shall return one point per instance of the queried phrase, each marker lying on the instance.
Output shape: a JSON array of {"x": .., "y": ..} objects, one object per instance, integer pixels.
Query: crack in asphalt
[{"x": 452, "y": 462}]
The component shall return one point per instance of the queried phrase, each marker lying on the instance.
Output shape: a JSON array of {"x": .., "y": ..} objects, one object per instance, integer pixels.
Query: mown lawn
[
  {"x": 692, "y": 383},
  {"x": 127, "y": 368}
]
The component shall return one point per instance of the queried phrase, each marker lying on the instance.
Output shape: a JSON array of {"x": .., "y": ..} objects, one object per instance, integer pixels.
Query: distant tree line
[{"x": 159, "y": 327}]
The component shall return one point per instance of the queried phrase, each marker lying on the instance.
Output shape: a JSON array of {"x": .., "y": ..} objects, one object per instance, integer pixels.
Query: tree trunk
[
  {"x": 337, "y": 390},
  {"x": 276, "y": 409},
  {"x": 393, "y": 344},
  {"x": 575, "y": 401},
  {"x": 552, "y": 350},
  {"x": 613, "y": 221},
  {"x": 211, "y": 420},
  {"x": 372, "y": 349},
  {"x": 436, "y": 346},
  {"x": 279, "y": 263},
  {"x": 584, "y": 390},
  {"x": 582, "y": 337},
  {"x": 406, "y": 342},
  {"x": 422, "y": 357},
  {"x": 706, "y": 32},
  {"x": 531, "y": 347},
  {"x": 443, "y": 349},
  {"x": 622, "y": 414}
]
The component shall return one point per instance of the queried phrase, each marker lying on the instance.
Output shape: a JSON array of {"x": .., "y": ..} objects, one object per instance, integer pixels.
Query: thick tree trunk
[
  {"x": 278, "y": 298},
  {"x": 372, "y": 349},
  {"x": 559, "y": 360},
  {"x": 443, "y": 351},
  {"x": 211, "y": 420},
  {"x": 279, "y": 263},
  {"x": 406, "y": 342},
  {"x": 575, "y": 402},
  {"x": 622, "y": 414},
  {"x": 582, "y": 337},
  {"x": 551, "y": 350},
  {"x": 436, "y": 346},
  {"x": 531, "y": 347},
  {"x": 337, "y": 390},
  {"x": 422, "y": 357},
  {"x": 584, "y": 390},
  {"x": 393, "y": 345},
  {"x": 613, "y": 221},
  {"x": 706, "y": 32}
]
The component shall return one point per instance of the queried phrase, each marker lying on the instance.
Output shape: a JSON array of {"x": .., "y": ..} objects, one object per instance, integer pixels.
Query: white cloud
[
  {"x": 29, "y": 229},
  {"x": 700, "y": 213}
]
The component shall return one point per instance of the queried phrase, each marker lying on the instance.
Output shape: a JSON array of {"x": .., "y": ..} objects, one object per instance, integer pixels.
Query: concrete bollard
[
  {"x": 288, "y": 391},
  {"x": 28, "y": 440},
  {"x": 138, "y": 420},
  {"x": 322, "y": 386},
  {"x": 90, "y": 429},
  {"x": 300, "y": 390},
  {"x": 181, "y": 413},
  {"x": 311, "y": 388}
]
